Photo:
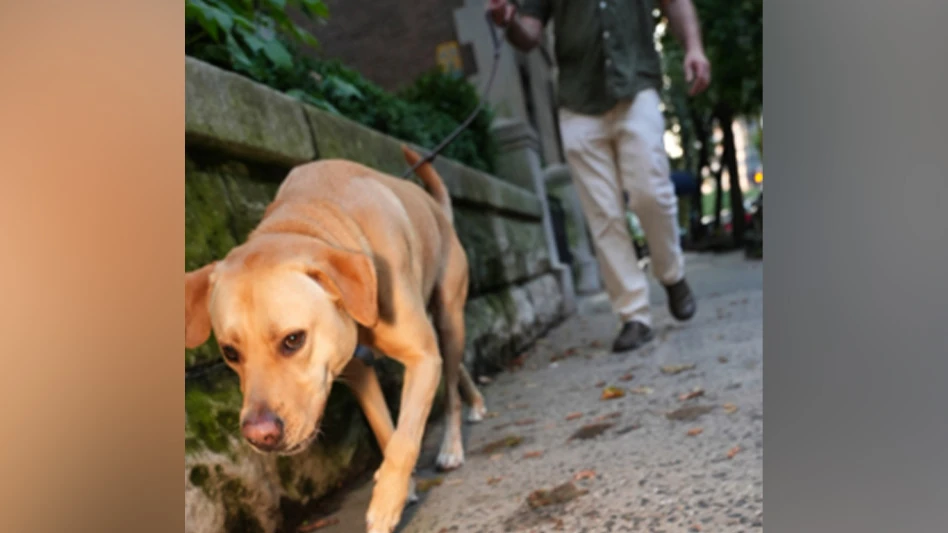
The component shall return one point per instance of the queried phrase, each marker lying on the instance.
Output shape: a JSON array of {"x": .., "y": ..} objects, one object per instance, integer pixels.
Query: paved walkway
[{"x": 654, "y": 459}]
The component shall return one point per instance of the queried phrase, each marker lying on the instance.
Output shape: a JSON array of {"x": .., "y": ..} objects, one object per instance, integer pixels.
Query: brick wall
[{"x": 390, "y": 42}]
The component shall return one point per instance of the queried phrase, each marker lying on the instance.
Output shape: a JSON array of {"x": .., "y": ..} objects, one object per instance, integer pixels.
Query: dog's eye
[
  {"x": 293, "y": 342},
  {"x": 230, "y": 353}
]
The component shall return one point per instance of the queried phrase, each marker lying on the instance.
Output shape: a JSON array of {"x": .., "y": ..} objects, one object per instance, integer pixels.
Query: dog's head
[{"x": 285, "y": 312}]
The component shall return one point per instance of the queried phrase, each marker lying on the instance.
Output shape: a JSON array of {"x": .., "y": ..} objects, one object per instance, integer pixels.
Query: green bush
[{"x": 259, "y": 40}]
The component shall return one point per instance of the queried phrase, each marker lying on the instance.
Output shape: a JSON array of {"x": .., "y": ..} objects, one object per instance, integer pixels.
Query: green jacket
[{"x": 605, "y": 50}]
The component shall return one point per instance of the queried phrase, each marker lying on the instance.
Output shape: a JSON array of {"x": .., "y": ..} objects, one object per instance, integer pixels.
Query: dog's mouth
[{"x": 301, "y": 445}]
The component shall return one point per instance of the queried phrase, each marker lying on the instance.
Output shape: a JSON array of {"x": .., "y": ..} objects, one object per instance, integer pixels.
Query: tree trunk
[
  {"x": 726, "y": 119},
  {"x": 701, "y": 134},
  {"x": 718, "y": 197}
]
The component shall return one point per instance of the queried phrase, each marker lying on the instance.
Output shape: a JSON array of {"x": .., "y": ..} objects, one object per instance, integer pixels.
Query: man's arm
[
  {"x": 685, "y": 27},
  {"x": 523, "y": 31}
]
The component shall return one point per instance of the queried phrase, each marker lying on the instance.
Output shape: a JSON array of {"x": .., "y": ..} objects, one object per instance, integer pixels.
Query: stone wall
[{"x": 241, "y": 140}]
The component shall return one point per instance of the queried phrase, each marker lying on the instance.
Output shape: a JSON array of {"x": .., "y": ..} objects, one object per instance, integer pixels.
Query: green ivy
[{"x": 259, "y": 40}]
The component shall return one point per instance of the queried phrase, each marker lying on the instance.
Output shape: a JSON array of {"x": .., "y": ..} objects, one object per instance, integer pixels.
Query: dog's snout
[{"x": 263, "y": 429}]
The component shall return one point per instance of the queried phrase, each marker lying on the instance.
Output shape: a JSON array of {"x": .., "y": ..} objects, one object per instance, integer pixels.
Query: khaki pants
[{"x": 624, "y": 149}]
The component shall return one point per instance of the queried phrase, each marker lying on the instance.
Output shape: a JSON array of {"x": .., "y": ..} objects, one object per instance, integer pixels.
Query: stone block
[
  {"x": 229, "y": 488},
  {"x": 229, "y": 112},
  {"x": 500, "y": 250},
  {"x": 337, "y": 137}
]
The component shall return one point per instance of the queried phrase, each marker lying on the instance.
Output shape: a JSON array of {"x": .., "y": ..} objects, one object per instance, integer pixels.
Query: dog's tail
[{"x": 432, "y": 181}]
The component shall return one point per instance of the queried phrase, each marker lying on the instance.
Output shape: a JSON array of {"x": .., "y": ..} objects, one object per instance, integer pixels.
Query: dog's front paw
[
  {"x": 451, "y": 455},
  {"x": 477, "y": 413},
  {"x": 388, "y": 500}
]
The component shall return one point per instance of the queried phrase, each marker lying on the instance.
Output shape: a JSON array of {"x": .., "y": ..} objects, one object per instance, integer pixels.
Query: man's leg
[
  {"x": 590, "y": 152},
  {"x": 644, "y": 171}
]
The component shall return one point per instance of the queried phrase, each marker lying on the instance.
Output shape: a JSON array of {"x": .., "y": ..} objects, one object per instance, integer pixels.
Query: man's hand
[
  {"x": 501, "y": 12},
  {"x": 684, "y": 25},
  {"x": 697, "y": 71}
]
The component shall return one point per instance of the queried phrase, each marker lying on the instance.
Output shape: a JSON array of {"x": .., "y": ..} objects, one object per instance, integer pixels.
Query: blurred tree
[{"x": 732, "y": 33}]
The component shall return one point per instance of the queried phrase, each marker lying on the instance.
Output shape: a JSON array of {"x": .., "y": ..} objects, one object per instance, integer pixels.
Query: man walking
[{"x": 612, "y": 130}]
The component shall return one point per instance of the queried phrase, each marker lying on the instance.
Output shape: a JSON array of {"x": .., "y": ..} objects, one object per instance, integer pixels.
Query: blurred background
[{"x": 271, "y": 84}]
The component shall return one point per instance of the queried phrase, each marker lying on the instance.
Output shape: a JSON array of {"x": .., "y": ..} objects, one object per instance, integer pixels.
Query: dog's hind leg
[
  {"x": 472, "y": 396},
  {"x": 448, "y": 303}
]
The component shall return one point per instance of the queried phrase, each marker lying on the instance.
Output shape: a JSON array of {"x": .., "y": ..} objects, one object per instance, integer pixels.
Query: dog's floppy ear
[
  {"x": 350, "y": 278},
  {"x": 197, "y": 320}
]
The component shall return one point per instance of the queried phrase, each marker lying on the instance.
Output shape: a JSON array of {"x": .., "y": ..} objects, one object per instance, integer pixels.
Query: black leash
[{"x": 467, "y": 122}]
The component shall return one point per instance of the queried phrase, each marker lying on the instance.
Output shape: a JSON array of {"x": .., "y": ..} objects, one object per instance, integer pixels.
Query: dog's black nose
[{"x": 263, "y": 429}]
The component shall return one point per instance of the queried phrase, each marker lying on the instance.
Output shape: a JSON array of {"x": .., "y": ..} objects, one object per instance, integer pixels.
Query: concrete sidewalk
[{"x": 638, "y": 462}]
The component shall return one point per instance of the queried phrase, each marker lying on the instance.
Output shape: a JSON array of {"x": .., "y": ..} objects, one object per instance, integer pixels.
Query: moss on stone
[
  {"x": 199, "y": 475},
  {"x": 285, "y": 470},
  {"x": 239, "y": 518},
  {"x": 212, "y": 409},
  {"x": 306, "y": 485}
]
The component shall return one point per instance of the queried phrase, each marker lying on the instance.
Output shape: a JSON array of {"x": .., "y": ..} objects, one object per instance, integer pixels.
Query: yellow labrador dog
[{"x": 344, "y": 256}]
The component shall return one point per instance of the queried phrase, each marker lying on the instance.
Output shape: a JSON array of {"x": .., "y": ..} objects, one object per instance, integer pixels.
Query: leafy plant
[
  {"x": 239, "y": 32},
  {"x": 424, "y": 113},
  {"x": 258, "y": 39}
]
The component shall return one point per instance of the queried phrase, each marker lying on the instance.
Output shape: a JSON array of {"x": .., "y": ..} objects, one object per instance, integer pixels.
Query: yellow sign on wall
[{"x": 448, "y": 56}]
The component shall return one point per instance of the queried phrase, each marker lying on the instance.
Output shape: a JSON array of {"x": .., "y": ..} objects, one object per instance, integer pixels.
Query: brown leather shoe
[
  {"x": 681, "y": 301},
  {"x": 633, "y": 335}
]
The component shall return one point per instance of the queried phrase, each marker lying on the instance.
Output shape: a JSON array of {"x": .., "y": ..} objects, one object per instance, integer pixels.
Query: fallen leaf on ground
[
  {"x": 584, "y": 474},
  {"x": 627, "y": 429},
  {"x": 496, "y": 457},
  {"x": 730, "y": 408},
  {"x": 690, "y": 413},
  {"x": 533, "y": 455},
  {"x": 695, "y": 527},
  {"x": 492, "y": 414},
  {"x": 611, "y": 393},
  {"x": 484, "y": 380},
  {"x": 694, "y": 432},
  {"x": 733, "y": 451},
  {"x": 494, "y": 480},
  {"x": 642, "y": 391},
  {"x": 590, "y": 431},
  {"x": 600, "y": 384},
  {"x": 319, "y": 524},
  {"x": 722, "y": 359},
  {"x": 517, "y": 362},
  {"x": 569, "y": 352},
  {"x": 510, "y": 441},
  {"x": 525, "y": 422},
  {"x": 627, "y": 377},
  {"x": 671, "y": 370},
  {"x": 453, "y": 482},
  {"x": 691, "y": 395},
  {"x": 424, "y": 485},
  {"x": 596, "y": 344},
  {"x": 560, "y": 494},
  {"x": 573, "y": 416},
  {"x": 609, "y": 416}
]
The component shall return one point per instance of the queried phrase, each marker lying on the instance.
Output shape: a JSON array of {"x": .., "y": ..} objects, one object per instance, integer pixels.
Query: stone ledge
[
  {"x": 340, "y": 137},
  {"x": 236, "y": 115},
  {"x": 229, "y": 112}
]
